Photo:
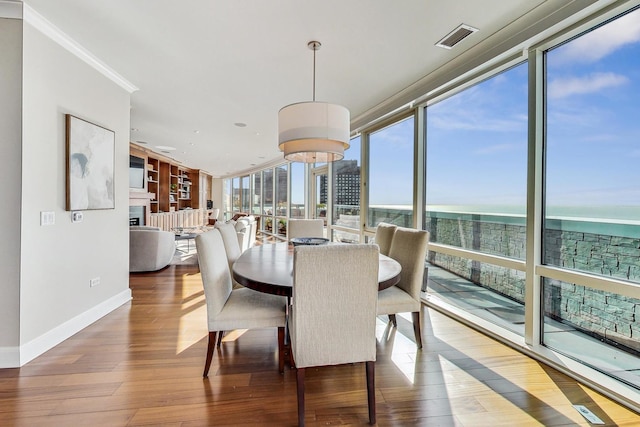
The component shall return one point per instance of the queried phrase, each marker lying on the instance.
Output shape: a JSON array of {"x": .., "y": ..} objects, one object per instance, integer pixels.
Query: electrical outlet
[
  {"x": 76, "y": 216},
  {"x": 94, "y": 282}
]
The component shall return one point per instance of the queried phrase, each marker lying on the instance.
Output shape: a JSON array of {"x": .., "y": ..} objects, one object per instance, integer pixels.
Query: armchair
[{"x": 150, "y": 248}]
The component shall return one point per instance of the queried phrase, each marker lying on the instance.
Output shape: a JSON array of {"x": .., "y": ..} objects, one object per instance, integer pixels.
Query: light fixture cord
[{"x": 314, "y": 75}]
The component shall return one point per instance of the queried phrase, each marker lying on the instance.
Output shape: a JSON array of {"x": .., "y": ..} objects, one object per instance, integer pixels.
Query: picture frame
[{"x": 90, "y": 165}]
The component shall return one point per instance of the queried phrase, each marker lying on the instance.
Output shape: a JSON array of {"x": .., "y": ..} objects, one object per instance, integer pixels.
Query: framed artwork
[{"x": 90, "y": 165}]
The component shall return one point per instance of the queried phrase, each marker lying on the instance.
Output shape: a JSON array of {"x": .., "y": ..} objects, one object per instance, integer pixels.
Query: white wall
[
  {"x": 58, "y": 261},
  {"x": 10, "y": 171},
  {"x": 216, "y": 195}
]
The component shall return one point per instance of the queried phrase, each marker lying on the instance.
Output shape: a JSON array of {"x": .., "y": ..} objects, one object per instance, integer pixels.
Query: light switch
[{"x": 47, "y": 218}]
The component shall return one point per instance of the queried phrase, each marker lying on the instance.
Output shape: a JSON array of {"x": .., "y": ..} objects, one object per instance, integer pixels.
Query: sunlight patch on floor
[
  {"x": 231, "y": 336},
  {"x": 403, "y": 353},
  {"x": 192, "y": 326}
]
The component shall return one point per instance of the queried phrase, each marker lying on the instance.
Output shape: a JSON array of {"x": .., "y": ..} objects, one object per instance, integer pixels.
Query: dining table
[{"x": 268, "y": 268}]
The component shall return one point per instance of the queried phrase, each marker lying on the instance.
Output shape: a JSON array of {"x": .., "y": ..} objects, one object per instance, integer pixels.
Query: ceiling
[{"x": 205, "y": 67}]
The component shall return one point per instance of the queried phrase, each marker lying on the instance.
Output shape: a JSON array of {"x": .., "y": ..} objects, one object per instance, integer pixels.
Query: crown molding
[{"x": 54, "y": 33}]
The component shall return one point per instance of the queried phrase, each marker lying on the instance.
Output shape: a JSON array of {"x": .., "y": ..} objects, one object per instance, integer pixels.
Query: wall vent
[{"x": 456, "y": 36}]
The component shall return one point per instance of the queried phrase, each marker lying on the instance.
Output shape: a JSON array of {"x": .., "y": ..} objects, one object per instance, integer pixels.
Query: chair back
[
  {"x": 384, "y": 236},
  {"x": 305, "y": 228},
  {"x": 334, "y": 304},
  {"x": 253, "y": 231},
  {"x": 214, "y": 270},
  {"x": 230, "y": 240},
  {"x": 409, "y": 248},
  {"x": 243, "y": 233}
]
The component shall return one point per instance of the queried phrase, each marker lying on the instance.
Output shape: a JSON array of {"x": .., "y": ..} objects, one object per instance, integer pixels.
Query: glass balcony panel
[
  {"x": 593, "y": 327},
  {"x": 492, "y": 293}
]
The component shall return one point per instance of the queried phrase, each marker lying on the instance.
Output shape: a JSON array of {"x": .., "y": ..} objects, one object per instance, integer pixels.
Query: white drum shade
[{"x": 313, "y": 132}]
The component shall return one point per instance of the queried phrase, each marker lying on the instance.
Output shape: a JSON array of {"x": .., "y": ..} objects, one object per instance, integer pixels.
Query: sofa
[{"x": 150, "y": 248}]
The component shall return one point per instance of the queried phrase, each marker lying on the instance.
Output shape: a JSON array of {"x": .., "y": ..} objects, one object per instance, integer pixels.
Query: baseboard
[{"x": 14, "y": 357}]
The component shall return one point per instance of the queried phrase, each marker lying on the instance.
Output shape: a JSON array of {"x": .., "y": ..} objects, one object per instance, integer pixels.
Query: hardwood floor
[{"x": 142, "y": 365}]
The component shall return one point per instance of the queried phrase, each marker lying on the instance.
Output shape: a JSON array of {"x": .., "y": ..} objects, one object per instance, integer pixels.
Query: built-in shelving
[{"x": 173, "y": 187}]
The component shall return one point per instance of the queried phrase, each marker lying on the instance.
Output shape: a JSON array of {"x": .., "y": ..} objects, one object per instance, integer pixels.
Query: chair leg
[
  {"x": 392, "y": 319},
  {"x": 210, "y": 346},
  {"x": 416, "y": 328},
  {"x": 300, "y": 387},
  {"x": 371, "y": 390},
  {"x": 220, "y": 335},
  {"x": 281, "y": 349}
]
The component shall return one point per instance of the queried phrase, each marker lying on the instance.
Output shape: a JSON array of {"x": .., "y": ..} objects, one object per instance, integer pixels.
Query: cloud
[
  {"x": 602, "y": 41},
  {"x": 479, "y": 109},
  {"x": 564, "y": 87}
]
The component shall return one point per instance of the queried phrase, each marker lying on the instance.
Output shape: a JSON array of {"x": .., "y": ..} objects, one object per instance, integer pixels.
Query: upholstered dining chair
[
  {"x": 409, "y": 248},
  {"x": 333, "y": 314},
  {"x": 229, "y": 308},
  {"x": 384, "y": 236},
  {"x": 230, "y": 240},
  {"x": 305, "y": 228}
]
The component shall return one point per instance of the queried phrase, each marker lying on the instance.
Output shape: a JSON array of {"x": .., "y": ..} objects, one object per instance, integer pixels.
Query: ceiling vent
[{"x": 456, "y": 36}]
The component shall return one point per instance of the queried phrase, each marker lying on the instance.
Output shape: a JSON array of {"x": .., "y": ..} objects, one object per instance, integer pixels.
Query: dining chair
[
  {"x": 229, "y": 308},
  {"x": 384, "y": 236},
  {"x": 409, "y": 248},
  {"x": 305, "y": 228},
  {"x": 230, "y": 240},
  {"x": 333, "y": 313}
]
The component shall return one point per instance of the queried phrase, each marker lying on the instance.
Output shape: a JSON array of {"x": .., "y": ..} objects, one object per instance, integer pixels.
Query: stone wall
[{"x": 607, "y": 249}]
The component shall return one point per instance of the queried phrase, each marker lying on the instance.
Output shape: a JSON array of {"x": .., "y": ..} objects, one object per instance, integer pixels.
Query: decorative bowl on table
[{"x": 300, "y": 241}]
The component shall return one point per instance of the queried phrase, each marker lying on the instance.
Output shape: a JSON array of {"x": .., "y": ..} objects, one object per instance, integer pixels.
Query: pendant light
[{"x": 313, "y": 131}]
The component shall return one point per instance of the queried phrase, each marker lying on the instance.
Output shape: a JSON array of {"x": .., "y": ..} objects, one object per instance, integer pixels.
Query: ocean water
[{"x": 623, "y": 214}]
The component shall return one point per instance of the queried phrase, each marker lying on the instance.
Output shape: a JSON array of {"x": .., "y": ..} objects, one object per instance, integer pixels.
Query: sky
[{"x": 593, "y": 132}]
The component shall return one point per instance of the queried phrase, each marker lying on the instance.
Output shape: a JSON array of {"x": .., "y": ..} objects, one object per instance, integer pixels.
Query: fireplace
[
  {"x": 139, "y": 207},
  {"x": 136, "y": 215}
]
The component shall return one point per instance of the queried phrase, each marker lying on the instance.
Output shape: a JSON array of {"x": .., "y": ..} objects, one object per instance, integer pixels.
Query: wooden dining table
[{"x": 269, "y": 269}]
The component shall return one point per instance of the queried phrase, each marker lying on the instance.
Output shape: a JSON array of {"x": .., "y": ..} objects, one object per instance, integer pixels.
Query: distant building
[{"x": 347, "y": 184}]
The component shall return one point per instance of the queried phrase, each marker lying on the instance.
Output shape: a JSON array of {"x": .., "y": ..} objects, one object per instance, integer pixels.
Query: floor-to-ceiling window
[
  {"x": 297, "y": 190},
  {"x": 245, "y": 204},
  {"x": 346, "y": 194},
  {"x": 476, "y": 194},
  {"x": 236, "y": 191},
  {"x": 267, "y": 200},
  {"x": 256, "y": 193},
  {"x": 390, "y": 180},
  {"x": 281, "y": 183},
  {"x": 227, "y": 191},
  {"x": 592, "y": 198}
]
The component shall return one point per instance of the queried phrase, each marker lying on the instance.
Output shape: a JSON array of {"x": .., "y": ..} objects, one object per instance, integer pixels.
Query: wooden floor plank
[{"x": 142, "y": 365}]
